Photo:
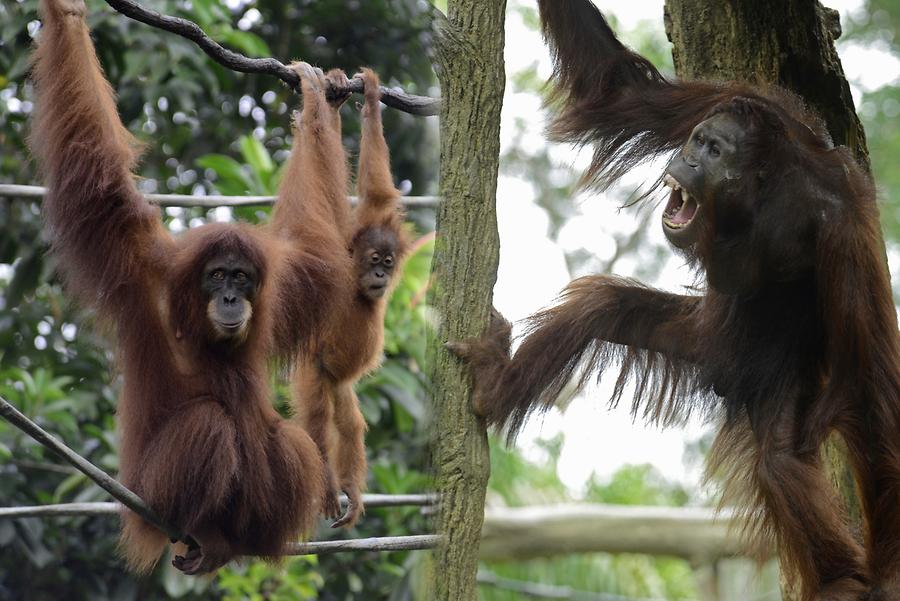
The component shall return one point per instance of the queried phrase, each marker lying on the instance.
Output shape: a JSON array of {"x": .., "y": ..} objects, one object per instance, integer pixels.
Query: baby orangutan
[{"x": 323, "y": 382}]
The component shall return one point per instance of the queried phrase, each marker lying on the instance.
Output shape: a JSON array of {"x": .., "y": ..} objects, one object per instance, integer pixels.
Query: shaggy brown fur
[
  {"x": 323, "y": 381},
  {"x": 199, "y": 439},
  {"x": 795, "y": 337}
]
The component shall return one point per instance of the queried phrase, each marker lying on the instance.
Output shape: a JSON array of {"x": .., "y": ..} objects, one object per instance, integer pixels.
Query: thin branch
[
  {"x": 415, "y": 105},
  {"x": 61, "y": 510},
  {"x": 626, "y": 244},
  {"x": 208, "y": 202},
  {"x": 104, "y": 480},
  {"x": 416, "y": 542},
  {"x": 371, "y": 501}
]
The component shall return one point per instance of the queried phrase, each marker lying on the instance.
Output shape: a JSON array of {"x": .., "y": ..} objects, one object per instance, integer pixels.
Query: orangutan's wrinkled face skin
[
  {"x": 375, "y": 257},
  {"x": 704, "y": 170},
  {"x": 230, "y": 282}
]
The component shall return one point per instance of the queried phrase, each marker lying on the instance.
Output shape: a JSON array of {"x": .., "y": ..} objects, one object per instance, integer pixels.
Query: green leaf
[
  {"x": 19, "y": 67},
  {"x": 68, "y": 486},
  {"x": 65, "y": 422},
  {"x": 31, "y": 531},
  {"x": 202, "y": 12},
  {"x": 256, "y": 155},
  {"x": 249, "y": 43},
  {"x": 232, "y": 177}
]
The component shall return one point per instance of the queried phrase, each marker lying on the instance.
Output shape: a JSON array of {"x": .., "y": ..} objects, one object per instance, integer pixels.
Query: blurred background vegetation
[{"x": 208, "y": 130}]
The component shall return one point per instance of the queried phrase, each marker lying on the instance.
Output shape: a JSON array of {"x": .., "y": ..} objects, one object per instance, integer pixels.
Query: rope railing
[
  {"x": 414, "y": 542},
  {"x": 209, "y": 202},
  {"x": 101, "y": 508},
  {"x": 383, "y": 544}
]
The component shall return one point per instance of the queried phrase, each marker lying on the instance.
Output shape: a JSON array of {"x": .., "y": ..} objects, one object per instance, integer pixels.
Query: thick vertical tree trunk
[
  {"x": 471, "y": 71},
  {"x": 789, "y": 43}
]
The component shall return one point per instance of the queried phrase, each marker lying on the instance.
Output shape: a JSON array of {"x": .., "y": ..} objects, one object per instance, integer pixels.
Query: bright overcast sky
[{"x": 533, "y": 269}]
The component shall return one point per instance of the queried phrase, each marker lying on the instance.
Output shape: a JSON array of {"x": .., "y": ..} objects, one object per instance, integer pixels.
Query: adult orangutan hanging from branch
[
  {"x": 197, "y": 318},
  {"x": 795, "y": 335}
]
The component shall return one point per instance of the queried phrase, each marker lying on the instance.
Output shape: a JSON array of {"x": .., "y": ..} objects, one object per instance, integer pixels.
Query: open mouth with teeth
[{"x": 681, "y": 208}]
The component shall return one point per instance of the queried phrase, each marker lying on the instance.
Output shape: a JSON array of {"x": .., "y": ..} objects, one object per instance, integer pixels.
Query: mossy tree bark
[
  {"x": 786, "y": 42},
  {"x": 471, "y": 71},
  {"x": 789, "y": 43}
]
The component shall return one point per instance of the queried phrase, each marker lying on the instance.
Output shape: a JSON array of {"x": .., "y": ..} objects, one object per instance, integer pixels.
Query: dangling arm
[
  {"x": 311, "y": 220},
  {"x": 107, "y": 237},
  {"x": 613, "y": 98}
]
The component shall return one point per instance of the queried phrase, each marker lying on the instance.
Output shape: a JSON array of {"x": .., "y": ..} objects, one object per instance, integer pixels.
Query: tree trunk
[
  {"x": 471, "y": 71},
  {"x": 789, "y": 43}
]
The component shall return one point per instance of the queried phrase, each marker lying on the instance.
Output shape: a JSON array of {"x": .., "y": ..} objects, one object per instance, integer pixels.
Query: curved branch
[{"x": 423, "y": 106}]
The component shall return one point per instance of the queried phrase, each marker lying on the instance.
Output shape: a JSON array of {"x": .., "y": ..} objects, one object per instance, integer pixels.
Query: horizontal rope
[
  {"x": 371, "y": 501},
  {"x": 415, "y": 542},
  {"x": 207, "y": 202}
]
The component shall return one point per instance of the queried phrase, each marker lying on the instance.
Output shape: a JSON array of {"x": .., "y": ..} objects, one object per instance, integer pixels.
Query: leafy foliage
[{"x": 259, "y": 581}]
